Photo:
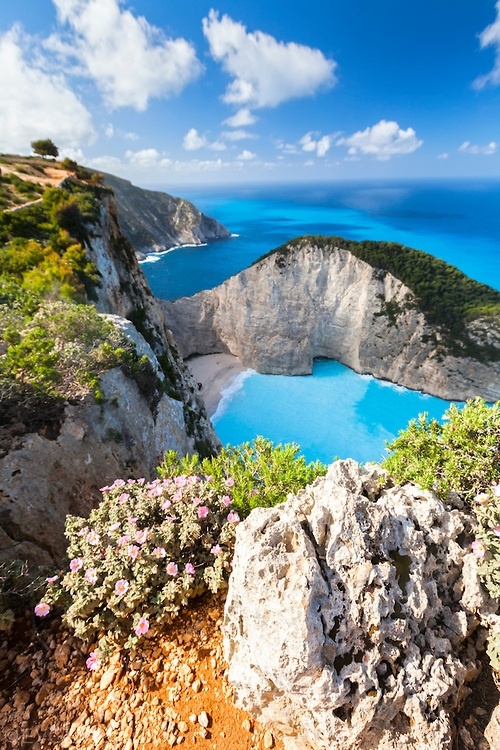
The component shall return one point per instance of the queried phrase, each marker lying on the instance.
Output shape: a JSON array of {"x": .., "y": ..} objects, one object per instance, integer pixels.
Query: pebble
[
  {"x": 246, "y": 724},
  {"x": 196, "y": 686},
  {"x": 204, "y": 719},
  {"x": 268, "y": 739},
  {"x": 107, "y": 678}
]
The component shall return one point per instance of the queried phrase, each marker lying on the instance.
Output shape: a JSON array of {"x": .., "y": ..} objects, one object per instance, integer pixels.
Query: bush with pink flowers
[{"x": 141, "y": 555}]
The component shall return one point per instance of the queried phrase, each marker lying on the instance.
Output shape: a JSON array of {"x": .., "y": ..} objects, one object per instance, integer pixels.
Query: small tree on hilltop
[{"x": 45, "y": 147}]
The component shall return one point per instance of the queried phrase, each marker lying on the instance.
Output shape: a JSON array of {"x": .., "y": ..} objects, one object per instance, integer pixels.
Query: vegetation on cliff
[{"x": 448, "y": 298}]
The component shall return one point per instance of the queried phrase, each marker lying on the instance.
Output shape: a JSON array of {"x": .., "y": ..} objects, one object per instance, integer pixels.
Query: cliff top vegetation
[{"x": 448, "y": 298}]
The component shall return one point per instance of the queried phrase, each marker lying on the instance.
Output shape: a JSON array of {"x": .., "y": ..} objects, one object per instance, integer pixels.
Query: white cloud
[
  {"x": 320, "y": 146},
  {"x": 383, "y": 140},
  {"x": 111, "y": 132},
  {"x": 35, "y": 104},
  {"x": 266, "y": 72},
  {"x": 147, "y": 158},
  {"x": 129, "y": 60},
  {"x": 470, "y": 148},
  {"x": 243, "y": 118},
  {"x": 193, "y": 141},
  {"x": 246, "y": 155},
  {"x": 237, "y": 135},
  {"x": 444, "y": 155},
  {"x": 491, "y": 37}
]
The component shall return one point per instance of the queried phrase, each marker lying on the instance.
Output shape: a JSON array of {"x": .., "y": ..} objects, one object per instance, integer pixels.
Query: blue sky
[{"x": 198, "y": 93}]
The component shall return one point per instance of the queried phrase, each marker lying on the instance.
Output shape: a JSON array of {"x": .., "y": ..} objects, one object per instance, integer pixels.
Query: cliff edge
[
  {"x": 154, "y": 221},
  {"x": 314, "y": 298}
]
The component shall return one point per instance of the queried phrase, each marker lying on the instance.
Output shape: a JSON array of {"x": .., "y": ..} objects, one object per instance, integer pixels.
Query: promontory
[{"x": 380, "y": 308}]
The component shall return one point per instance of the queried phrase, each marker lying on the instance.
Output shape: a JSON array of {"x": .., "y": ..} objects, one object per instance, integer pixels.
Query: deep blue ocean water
[{"x": 334, "y": 412}]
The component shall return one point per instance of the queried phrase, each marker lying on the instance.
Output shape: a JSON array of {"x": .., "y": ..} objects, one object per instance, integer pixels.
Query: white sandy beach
[{"x": 215, "y": 372}]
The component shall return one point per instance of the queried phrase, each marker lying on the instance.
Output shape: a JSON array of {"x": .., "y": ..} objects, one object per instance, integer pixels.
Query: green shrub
[
  {"x": 461, "y": 455},
  {"x": 257, "y": 473},
  {"x": 141, "y": 555}
]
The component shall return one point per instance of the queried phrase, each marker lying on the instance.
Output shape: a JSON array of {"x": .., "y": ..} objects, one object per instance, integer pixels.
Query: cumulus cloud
[
  {"x": 129, "y": 60},
  {"x": 193, "y": 141},
  {"x": 470, "y": 148},
  {"x": 320, "y": 146},
  {"x": 237, "y": 135},
  {"x": 246, "y": 155},
  {"x": 146, "y": 158},
  {"x": 491, "y": 37},
  {"x": 266, "y": 72},
  {"x": 242, "y": 119},
  {"x": 444, "y": 155},
  {"x": 111, "y": 132},
  {"x": 383, "y": 140},
  {"x": 34, "y": 103}
]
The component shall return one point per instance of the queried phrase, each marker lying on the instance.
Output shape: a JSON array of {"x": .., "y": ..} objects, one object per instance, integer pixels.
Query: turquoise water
[{"x": 334, "y": 412}]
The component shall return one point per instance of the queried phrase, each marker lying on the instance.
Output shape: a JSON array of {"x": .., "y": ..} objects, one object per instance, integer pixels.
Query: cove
[{"x": 335, "y": 413}]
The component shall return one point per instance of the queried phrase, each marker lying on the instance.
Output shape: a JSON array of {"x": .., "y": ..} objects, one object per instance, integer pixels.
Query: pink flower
[
  {"x": 482, "y": 499},
  {"x": 123, "y": 498},
  {"x": 123, "y": 540},
  {"x": 141, "y": 480},
  {"x": 208, "y": 478},
  {"x": 83, "y": 531},
  {"x": 93, "y": 661},
  {"x": 172, "y": 569},
  {"x": 51, "y": 579},
  {"x": 104, "y": 489},
  {"x": 114, "y": 527},
  {"x": 91, "y": 575},
  {"x": 141, "y": 536},
  {"x": 203, "y": 511},
  {"x": 142, "y": 626},
  {"x": 229, "y": 481},
  {"x": 121, "y": 587},
  {"x": 197, "y": 500},
  {"x": 93, "y": 538},
  {"x": 75, "y": 564},
  {"x": 233, "y": 517},
  {"x": 190, "y": 569},
  {"x": 181, "y": 481},
  {"x": 159, "y": 552},
  {"x": 496, "y": 530},
  {"x": 216, "y": 550},
  {"x": 166, "y": 505},
  {"x": 132, "y": 521},
  {"x": 118, "y": 483},
  {"x": 42, "y": 609},
  {"x": 496, "y": 489},
  {"x": 226, "y": 500},
  {"x": 133, "y": 551},
  {"x": 178, "y": 495},
  {"x": 254, "y": 492},
  {"x": 130, "y": 481},
  {"x": 479, "y": 548}
]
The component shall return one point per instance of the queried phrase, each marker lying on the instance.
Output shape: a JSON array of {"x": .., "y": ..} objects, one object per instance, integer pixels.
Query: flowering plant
[{"x": 141, "y": 555}]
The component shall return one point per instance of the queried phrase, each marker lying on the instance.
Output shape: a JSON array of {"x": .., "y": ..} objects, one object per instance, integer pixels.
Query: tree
[{"x": 45, "y": 147}]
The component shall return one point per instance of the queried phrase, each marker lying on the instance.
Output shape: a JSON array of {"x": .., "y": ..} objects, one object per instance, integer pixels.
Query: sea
[{"x": 333, "y": 413}]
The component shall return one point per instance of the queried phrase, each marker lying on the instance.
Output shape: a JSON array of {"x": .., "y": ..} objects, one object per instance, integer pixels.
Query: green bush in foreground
[
  {"x": 462, "y": 455},
  {"x": 150, "y": 547},
  {"x": 262, "y": 473}
]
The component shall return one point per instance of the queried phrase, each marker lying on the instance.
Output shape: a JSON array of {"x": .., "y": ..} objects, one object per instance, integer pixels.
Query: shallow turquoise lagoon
[{"x": 333, "y": 413}]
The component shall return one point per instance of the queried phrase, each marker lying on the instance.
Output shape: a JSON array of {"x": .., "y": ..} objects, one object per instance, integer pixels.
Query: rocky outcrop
[
  {"x": 323, "y": 301},
  {"x": 368, "y": 639},
  {"x": 154, "y": 221},
  {"x": 58, "y": 468}
]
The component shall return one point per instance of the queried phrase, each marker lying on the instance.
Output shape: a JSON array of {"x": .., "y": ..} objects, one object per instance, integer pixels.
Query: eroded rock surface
[{"x": 351, "y": 618}]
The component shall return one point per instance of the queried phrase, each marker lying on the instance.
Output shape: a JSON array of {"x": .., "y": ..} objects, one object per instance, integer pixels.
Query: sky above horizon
[{"x": 197, "y": 93}]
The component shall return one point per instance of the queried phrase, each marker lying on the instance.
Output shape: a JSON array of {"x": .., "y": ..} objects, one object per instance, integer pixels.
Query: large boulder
[{"x": 351, "y": 618}]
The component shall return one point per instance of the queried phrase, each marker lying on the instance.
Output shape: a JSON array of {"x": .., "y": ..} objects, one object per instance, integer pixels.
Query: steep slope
[
  {"x": 54, "y": 464},
  {"x": 312, "y": 298},
  {"x": 154, "y": 221}
]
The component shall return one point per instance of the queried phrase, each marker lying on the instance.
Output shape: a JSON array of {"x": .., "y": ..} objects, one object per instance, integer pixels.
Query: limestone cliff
[
  {"x": 319, "y": 300},
  {"x": 55, "y": 464},
  {"x": 154, "y": 221}
]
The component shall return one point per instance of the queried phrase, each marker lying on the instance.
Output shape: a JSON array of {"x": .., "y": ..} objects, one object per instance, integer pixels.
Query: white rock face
[
  {"x": 348, "y": 621},
  {"x": 279, "y": 314}
]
